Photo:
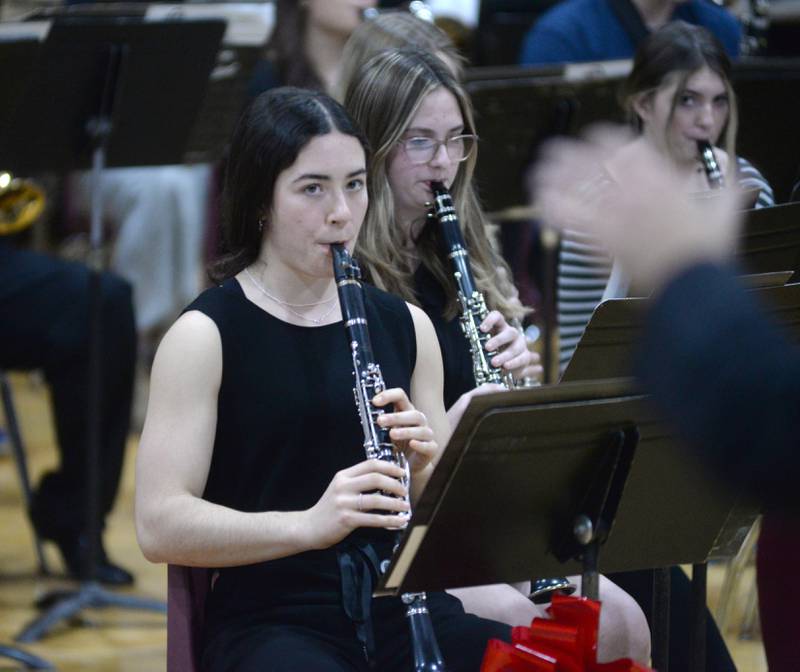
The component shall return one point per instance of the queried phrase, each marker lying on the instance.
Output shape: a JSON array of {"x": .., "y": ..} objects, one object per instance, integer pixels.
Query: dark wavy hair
[{"x": 269, "y": 136}]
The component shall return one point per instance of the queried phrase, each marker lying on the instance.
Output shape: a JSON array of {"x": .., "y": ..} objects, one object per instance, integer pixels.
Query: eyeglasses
[{"x": 422, "y": 149}]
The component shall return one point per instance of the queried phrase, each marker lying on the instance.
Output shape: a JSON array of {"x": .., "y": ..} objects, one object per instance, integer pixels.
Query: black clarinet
[
  {"x": 377, "y": 444},
  {"x": 710, "y": 165},
  {"x": 473, "y": 312},
  {"x": 473, "y": 305}
]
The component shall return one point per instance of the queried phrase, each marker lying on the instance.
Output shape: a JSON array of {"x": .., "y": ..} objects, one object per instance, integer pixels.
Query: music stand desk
[
  {"x": 17, "y": 55},
  {"x": 501, "y": 504},
  {"x": 514, "y": 116},
  {"x": 160, "y": 87},
  {"x": 770, "y": 239},
  {"x": 605, "y": 350}
]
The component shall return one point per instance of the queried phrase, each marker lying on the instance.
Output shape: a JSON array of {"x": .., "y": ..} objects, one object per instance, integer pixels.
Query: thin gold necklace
[{"x": 291, "y": 306}]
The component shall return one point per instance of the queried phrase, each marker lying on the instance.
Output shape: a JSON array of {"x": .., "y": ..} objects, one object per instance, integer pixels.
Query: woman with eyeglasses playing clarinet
[{"x": 418, "y": 121}]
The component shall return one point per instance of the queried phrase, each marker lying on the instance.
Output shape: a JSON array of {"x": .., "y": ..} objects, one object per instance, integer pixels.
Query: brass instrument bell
[{"x": 21, "y": 203}]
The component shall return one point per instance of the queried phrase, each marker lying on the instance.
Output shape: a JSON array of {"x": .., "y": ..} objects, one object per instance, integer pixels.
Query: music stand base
[
  {"x": 89, "y": 596},
  {"x": 30, "y": 661}
]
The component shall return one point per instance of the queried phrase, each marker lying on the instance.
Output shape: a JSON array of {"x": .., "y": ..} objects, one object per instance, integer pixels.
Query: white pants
[{"x": 159, "y": 216}]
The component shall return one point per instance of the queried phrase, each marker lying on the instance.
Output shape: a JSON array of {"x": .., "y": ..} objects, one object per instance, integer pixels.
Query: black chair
[{"x": 502, "y": 26}]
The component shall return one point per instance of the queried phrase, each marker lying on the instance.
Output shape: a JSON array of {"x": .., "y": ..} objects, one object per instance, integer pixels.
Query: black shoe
[
  {"x": 75, "y": 550},
  {"x": 74, "y": 546}
]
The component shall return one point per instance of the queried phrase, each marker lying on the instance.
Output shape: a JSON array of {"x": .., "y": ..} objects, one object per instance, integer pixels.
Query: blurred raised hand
[{"x": 645, "y": 217}]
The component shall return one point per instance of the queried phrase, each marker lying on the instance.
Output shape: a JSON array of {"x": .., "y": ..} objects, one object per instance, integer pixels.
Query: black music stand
[
  {"x": 155, "y": 90},
  {"x": 17, "y": 55},
  {"x": 605, "y": 351},
  {"x": 606, "y": 347},
  {"x": 525, "y": 469},
  {"x": 516, "y": 110},
  {"x": 227, "y": 87},
  {"x": 761, "y": 85},
  {"x": 770, "y": 239},
  {"x": 107, "y": 91}
]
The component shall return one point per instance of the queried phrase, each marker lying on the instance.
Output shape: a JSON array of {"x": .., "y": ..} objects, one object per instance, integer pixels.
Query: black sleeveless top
[
  {"x": 456, "y": 357},
  {"x": 286, "y": 423}
]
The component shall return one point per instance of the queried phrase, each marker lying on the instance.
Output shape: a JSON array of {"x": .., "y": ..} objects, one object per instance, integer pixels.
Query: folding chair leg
[{"x": 18, "y": 450}]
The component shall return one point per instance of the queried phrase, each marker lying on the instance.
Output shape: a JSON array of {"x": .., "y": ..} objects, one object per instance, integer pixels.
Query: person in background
[
  {"x": 158, "y": 217},
  {"x": 44, "y": 302},
  {"x": 678, "y": 92},
  {"x": 579, "y": 31},
  {"x": 307, "y": 44}
]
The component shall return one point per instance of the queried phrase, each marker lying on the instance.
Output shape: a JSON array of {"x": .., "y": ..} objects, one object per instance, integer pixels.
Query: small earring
[{"x": 261, "y": 224}]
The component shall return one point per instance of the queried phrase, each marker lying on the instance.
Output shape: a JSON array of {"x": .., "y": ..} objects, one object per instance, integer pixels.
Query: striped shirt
[
  {"x": 585, "y": 268},
  {"x": 751, "y": 179}
]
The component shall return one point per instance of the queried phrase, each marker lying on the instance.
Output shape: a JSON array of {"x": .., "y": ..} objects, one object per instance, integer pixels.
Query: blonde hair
[
  {"x": 383, "y": 98},
  {"x": 394, "y": 30}
]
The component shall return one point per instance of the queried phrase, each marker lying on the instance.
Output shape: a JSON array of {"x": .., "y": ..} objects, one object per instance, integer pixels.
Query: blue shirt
[{"x": 576, "y": 31}]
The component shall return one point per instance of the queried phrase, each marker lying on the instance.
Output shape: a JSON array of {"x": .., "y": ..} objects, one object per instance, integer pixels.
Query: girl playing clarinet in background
[{"x": 678, "y": 93}]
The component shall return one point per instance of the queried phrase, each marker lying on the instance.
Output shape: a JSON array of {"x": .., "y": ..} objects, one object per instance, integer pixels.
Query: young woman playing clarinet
[
  {"x": 678, "y": 97},
  {"x": 678, "y": 93},
  {"x": 251, "y": 459},
  {"x": 418, "y": 121}
]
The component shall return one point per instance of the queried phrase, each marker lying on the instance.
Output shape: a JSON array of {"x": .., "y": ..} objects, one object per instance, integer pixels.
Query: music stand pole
[
  {"x": 697, "y": 635},
  {"x": 660, "y": 617}
]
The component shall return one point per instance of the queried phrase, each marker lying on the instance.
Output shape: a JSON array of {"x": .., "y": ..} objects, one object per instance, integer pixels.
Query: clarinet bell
[{"x": 542, "y": 590}]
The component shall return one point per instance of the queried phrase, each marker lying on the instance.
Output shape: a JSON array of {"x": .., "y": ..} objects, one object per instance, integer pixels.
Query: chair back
[{"x": 187, "y": 589}]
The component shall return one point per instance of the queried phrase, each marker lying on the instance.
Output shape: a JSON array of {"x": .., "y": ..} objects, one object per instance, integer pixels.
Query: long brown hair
[
  {"x": 269, "y": 136},
  {"x": 679, "y": 50},
  {"x": 383, "y": 98},
  {"x": 286, "y": 46}
]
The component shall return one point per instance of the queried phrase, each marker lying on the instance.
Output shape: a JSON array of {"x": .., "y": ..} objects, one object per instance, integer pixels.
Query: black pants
[
  {"x": 44, "y": 308},
  {"x": 322, "y": 639},
  {"x": 640, "y": 586}
]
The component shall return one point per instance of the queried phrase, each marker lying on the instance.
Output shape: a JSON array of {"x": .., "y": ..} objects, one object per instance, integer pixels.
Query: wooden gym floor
[{"x": 133, "y": 641}]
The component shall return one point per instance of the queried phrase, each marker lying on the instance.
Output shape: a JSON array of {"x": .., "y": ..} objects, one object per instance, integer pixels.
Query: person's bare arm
[{"x": 427, "y": 384}]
